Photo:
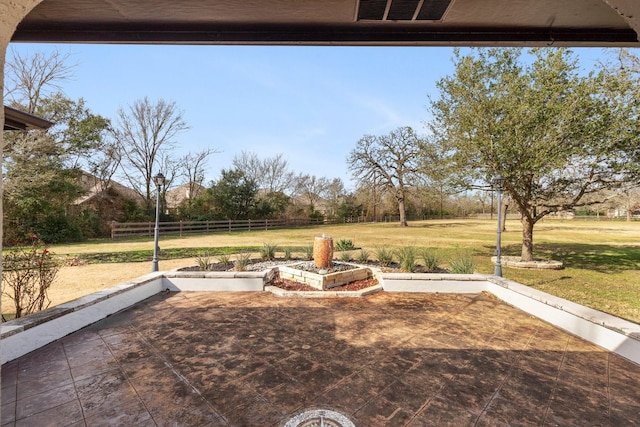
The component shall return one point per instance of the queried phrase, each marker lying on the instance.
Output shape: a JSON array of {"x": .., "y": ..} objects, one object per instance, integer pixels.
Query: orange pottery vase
[{"x": 323, "y": 251}]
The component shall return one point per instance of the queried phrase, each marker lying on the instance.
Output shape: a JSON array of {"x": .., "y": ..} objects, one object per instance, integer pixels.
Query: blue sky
[{"x": 312, "y": 104}]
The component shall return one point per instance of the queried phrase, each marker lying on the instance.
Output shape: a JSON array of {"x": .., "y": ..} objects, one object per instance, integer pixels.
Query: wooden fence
[{"x": 129, "y": 229}]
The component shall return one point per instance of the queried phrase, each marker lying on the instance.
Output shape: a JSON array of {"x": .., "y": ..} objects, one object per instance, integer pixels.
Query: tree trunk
[
  {"x": 527, "y": 239},
  {"x": 503, "y": 218},
  {"x": 401, "y": 210}
]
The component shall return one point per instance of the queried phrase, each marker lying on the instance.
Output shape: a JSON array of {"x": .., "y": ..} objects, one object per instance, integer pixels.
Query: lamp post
[
  {"x": 159, "y": 180},
  {"x": 498, "y": 181}
]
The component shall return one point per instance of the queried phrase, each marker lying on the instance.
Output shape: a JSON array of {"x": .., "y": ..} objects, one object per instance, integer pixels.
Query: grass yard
[{"x": 601, "y": 258}]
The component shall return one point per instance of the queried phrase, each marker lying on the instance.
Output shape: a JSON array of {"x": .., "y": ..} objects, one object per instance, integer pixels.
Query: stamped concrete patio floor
[{"x": 253, "y": 359}]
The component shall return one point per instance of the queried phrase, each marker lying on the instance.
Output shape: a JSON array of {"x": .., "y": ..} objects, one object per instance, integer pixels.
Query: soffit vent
[{"x": 402, "y": 10}]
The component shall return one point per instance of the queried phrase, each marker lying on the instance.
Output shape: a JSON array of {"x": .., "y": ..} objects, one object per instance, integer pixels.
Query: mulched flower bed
[{"x": 259, "y": 265}]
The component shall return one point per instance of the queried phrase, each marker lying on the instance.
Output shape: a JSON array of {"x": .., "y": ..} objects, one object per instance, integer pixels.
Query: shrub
[
  {"x": 308, "y": 253},
  {"x": 363, "y": 256},
  {"x": 58, "y": 227},
  {"x": 407, "y": 258},
  {"x": 287, "y": 253},
  {"x": 344, "y": 245},
  {"x": 345, "y": 257},
  {"x": 268, "y": 252},
  {"x": 204, "y": 262},
  {"x": 242, "y": 261},
  {"x": 431, "y": 260},
  {"x": 27, "y": 274},
  {"x": 384, "y": 255},
  {"x": 462, "y": 264},
  {"x": 224, "y": 259}
]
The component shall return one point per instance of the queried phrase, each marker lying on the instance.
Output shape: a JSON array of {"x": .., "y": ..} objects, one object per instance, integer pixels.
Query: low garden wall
[{"x": 21, "y": 336}]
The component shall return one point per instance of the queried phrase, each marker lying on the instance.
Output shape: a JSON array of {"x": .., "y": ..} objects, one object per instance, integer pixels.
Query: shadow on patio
[{"x": 253, "y": 359}]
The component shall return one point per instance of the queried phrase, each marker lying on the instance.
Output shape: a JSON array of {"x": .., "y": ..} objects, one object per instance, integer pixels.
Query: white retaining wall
[
  {"x": 612, "y": 333},
  {"x": 21, "y": 336},
  {"x": 240, "y": 281},
  {"x": 617, "y": 335}
]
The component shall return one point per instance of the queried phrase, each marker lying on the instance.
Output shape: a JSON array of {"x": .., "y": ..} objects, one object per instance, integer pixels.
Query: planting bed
[
  {"x": 340, "y": 274},
  {"x": 290, "y": 285}
]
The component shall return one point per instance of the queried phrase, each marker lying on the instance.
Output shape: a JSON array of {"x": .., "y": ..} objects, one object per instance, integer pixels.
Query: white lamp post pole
[
  {"x": 498, "y": 181},
  {"x": 159, "y": 180}
]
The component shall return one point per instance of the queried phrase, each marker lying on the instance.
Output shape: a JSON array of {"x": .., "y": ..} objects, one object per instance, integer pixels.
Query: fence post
[
  {"x": 249, "y": 224},
  {"x": 229, "y": 226},
  {"x": 113, "y": 229},
  {"x": 180, "y": 228}
]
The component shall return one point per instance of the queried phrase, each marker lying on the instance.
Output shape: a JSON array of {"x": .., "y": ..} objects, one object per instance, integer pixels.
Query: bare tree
[
  {"x": 311, "y": 187},
  {"x": 628, "y": 197},
  {"x": 34, "y": 77},
  {"x": 171, "y": 169},
  {"x": 336, "y": 194},
  {"x": 390, "y": 158},
  {"x": 104, "y": 164},
  {"x": 370, "y": 195},
  {"x": 193, "y": 168},
  {"x": 271, "y": 174},
  {"x": 250, "y": 164},
  {"x": 144, "y": 132},
  {"x": 276, "y": 176}
]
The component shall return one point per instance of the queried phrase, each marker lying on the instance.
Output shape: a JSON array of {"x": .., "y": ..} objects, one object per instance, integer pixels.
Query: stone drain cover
[{"x": 318, "y": 417}]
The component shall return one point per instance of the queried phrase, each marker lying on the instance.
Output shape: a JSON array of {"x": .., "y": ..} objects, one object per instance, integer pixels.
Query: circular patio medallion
[{"x": 318, "y": 417}]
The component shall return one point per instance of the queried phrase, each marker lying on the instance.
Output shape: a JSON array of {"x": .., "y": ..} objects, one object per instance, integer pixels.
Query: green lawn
[{"x": 601, "y": 258}]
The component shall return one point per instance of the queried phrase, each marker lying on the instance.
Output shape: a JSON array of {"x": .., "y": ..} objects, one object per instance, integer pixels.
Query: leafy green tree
[
  {"x": 392, "y": 158},
  {"x": 349, "y": 208},
  {"x": 234, "y": 195},
  {"x": 272, "y": 204},
  {"x": 555, "y": 134},
  {"x": 41, "y": 167},
  {"x": 79, "y": 133}
]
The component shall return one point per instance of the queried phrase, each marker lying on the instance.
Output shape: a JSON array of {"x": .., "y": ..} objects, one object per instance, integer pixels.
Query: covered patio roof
[
  {"x": 333, "y": 22},
  {"x": 20, "y": 120}
]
